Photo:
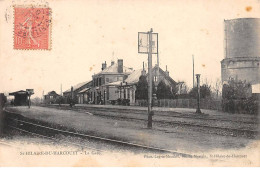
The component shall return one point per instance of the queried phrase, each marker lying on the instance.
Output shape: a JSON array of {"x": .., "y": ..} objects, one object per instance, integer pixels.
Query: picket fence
[{"x": 184, "y": 103}]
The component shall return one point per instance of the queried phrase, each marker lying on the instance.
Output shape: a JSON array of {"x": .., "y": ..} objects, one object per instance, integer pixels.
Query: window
[
  {"x": 128, "y": 93},
  {"x": 107, "y": 79},
  {"x": 155, "y": 78},
  {"x": 99, "y": 81}
]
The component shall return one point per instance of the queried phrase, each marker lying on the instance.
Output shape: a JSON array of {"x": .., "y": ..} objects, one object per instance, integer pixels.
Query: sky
[{"x": 84, "y": 34}]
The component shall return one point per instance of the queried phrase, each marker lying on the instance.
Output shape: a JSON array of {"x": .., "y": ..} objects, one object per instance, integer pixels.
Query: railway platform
[{"x": 178, "y": 139}]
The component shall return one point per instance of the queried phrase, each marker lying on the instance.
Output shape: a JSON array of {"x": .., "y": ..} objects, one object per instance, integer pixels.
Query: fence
[{"x": 184, "y": 103}]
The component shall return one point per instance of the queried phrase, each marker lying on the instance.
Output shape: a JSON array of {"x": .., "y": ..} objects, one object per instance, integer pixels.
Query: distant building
[
  {"x": 51, "y": 97},
  {"x": 77, "y": 91},
  {"x": 20, "y": 98},
  {"x": 242, "y": 50}
]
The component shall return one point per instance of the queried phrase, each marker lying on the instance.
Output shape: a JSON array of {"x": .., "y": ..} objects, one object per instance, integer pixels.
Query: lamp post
[{"x": 198, "y": 94}]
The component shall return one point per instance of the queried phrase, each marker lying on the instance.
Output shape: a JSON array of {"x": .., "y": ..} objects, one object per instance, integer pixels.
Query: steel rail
[
  {"x": 105, "y": 139},
  {"x": 172, "y": 122},
  {"x": 51, "y": 138}
]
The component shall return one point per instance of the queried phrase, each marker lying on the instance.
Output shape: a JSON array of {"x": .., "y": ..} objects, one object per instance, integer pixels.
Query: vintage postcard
[{"x": 129, "y": 83}]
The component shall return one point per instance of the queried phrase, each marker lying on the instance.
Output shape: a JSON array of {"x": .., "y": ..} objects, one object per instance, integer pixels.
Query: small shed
[
  {"x": 20, "y": 98},
  {"x": 83, "y": 96}
]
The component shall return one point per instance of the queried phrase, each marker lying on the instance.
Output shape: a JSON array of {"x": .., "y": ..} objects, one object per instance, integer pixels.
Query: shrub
[
  {"x": 237, "y": 98},
  {"x": 126, "y": 102},
  {"x": 205, "y": 92}
]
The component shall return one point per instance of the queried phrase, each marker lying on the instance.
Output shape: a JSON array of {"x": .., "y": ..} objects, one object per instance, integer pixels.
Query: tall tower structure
[{"x": 242, "y": 50}]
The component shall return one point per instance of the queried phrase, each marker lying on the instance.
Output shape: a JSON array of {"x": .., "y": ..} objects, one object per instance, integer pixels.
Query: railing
[{"x": 184, "y": 103}]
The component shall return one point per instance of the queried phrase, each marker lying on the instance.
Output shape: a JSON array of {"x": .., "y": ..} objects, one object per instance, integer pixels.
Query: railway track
[
  {"x": 50, "y": 132},
  {"x": 245, "y": 120},
  {"x": 196, "y": 125},
  {"x": 52, "y": 138}
]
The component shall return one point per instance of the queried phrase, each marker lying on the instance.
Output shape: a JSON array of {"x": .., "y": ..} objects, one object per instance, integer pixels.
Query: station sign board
[
  {"x": 143, "y": 42},
  {"x": 30, "y": 91}
]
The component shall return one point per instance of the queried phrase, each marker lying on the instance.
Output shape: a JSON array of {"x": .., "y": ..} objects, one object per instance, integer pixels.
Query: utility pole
[
  {"x": 150, "y": 84},
  {"x": 198, "y": 94},
  {"x": 72, "y": 97},
  {"x": 148, "y": 44},
  {"x": 43, "y": 96},
  {"x": 193, "y": 70},
  {"x": 156, "y": 78},
  {"x": 60, "y": 89}
]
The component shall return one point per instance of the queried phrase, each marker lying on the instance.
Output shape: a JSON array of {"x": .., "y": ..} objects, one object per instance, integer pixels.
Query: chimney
[
  {"x": 120, "y": 66},
  {"x": 104, "y": 65},
  {"x": 166, "y": 71},
  {"x": 143, "y": 71},
  {"x": 112, "y": 63}
]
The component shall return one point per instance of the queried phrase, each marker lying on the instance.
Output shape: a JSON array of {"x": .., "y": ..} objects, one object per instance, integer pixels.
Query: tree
[
  {"x": 59, "y": 100},
  {"x": 164, "y": 91},
  {"x": 217, "y": 88},
  {"x": 36, "y": 101},
  {"x": 205, "y": 91},
  {"x": 236, "y": 90},
  {"x": 141, "y": 89}
]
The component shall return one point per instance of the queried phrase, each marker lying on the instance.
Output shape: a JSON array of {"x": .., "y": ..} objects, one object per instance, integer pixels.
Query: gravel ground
[
  {"x": 21, "y": 140},
  {"x": 136, "y": 132}
]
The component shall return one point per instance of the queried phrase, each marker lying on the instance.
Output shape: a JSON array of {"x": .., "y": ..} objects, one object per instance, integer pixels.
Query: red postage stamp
[{"x": 32, "y": 28}]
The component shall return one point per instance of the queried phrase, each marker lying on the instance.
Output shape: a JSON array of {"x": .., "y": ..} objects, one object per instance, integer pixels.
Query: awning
[{"x": 84, "y": 90}]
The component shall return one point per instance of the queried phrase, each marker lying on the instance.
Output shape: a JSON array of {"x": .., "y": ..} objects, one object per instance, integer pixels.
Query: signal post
[{"x": 149, "y": 45}]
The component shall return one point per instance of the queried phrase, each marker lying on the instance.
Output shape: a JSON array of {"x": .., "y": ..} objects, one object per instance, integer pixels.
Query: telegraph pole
[
  {"x": 150, "y": 84},
  {"x": 193, "y": 70},
  {"x": 60, "y": 89},
  {"x": 198, "y": 96}
]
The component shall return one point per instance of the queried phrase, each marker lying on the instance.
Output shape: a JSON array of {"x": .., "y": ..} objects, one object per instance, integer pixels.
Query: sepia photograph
[{"x": 129, "y": 83}]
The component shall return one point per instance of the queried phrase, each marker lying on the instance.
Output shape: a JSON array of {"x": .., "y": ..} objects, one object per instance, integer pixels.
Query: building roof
[
  {"x": 168, "y": 77},
  {"x": 113, "y": 70},
  {"x": 75, "y": 87},
  {"x": 53, "y": 93},
  {"x": 134, "y": 77},
  {"x": 18, "y": 92},
  {"x": 84, "y": 90}
]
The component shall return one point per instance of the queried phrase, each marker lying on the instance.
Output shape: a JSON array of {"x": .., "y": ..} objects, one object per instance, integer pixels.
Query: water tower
[{"x": 242, "y": 50}]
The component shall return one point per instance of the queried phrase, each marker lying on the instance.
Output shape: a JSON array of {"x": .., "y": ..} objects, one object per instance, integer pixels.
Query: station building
[
  {"x": 114, "y": 82},
  {"x": 101, "y": 91}
]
